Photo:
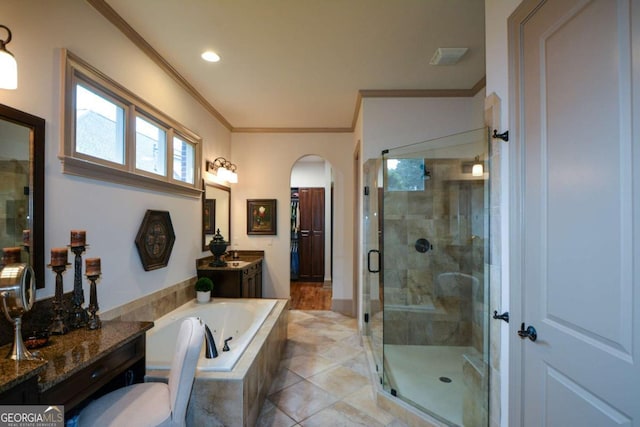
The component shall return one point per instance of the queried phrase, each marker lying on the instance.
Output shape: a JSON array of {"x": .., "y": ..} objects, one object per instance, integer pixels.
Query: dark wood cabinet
[
  {"x": 252, "y": 281},
  {"x": 242, "y": 281},
  {"x": 121, "y": 367},
  {"x": 24, "y": 392},
  {"x": 77, "y": 367},
  {"x": 311, "y": 234}
]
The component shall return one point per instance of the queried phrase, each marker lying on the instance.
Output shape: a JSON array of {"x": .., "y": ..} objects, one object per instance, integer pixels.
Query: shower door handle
[{"x": 369, "y": 261}]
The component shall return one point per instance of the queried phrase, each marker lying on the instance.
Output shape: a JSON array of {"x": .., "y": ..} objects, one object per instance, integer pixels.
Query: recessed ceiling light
[{"x": 210, "y": 56}]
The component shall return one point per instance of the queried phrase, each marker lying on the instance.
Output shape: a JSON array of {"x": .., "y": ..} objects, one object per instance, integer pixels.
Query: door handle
[
  {"x": 530, "y": 332},
  {"x": 369, "y": 261}
]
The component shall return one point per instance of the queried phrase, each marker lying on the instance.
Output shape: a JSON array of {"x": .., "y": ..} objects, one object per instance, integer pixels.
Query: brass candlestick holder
[
  {"x": 78, "y": 315},
  {"x": 94, "y": 321},
  {"x": 59, "y": 324}
]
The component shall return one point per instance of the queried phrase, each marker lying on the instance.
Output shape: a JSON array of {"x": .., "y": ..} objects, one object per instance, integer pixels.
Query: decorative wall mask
[{"x": 155, "y": 239}]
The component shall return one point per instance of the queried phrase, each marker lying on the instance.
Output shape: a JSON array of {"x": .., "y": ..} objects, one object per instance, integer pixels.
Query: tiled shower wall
[{"x": 421, "y": 306}]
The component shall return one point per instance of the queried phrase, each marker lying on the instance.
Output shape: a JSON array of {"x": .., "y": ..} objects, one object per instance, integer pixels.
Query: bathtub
[
  {"x": 230, "y": 389},
  {"x": 236, "y": 319}
]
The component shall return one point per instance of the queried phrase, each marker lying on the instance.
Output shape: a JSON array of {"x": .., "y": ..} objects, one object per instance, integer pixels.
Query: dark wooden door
[{"x": 311, "y": 249}]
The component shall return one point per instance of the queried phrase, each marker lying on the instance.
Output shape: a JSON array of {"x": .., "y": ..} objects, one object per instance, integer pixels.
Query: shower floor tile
[{"x": 415, "y": 372}]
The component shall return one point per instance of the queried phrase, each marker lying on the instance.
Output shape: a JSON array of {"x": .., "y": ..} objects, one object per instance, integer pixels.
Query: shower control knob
[
  {"x": 530, "y": 332},
  {"x": 423, "y": 245}
]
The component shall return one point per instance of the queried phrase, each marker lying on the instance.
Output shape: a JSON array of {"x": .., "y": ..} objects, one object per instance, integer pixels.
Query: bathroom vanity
[
  {"x": 240, "y": 278},
  {"x": 77, "y": 365}
]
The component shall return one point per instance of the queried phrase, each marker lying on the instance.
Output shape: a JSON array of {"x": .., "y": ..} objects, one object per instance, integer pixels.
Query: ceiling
[{"x": 302, "y": 64}]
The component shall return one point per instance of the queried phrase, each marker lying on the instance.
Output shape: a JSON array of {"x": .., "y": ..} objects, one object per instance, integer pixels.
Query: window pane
[
  {"x": 183, "y": 160},
  {"x": 406, "y": 174},
  {"x": 99, "y": 126},
  {"x": 151, "y": 147}
]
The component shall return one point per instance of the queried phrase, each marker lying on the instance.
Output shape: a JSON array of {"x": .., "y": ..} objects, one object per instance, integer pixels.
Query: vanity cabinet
[
  {"x": 115, "y": 369},
  {"x": 241, "y": 278},
  {"x": 25, "y": 391},
  {"x": 252, "y": 281},
  {"x": 77, "y": 366}
]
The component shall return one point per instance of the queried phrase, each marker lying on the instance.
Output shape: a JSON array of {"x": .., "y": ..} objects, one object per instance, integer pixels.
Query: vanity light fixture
[
  {"x": 223, "y": 169},
  {"x": 478, "y": 168},
  {"x": 8, "y": 64},
  {"x": 210, "y": 56}
]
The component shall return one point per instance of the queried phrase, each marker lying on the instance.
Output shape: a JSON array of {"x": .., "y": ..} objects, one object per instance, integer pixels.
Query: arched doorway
[{"x": 311, "y": 228}]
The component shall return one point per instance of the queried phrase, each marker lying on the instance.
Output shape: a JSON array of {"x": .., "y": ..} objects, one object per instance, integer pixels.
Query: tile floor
[{"x": 324, "y": 377}]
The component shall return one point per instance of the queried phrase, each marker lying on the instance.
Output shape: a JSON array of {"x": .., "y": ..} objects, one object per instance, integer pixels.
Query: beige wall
[
  {"x": 394, "y": 122},
  {"x": 264, "y": 169},
  {"x": 111, "y": 214}
]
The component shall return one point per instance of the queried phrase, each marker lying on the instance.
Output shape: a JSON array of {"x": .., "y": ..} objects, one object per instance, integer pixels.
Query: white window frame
[
  {"x": 168, "y": 132},
  {"x": 74, "y": 163}
]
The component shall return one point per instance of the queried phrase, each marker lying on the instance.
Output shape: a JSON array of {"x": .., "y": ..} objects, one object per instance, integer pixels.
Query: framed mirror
[
  {"x": 216, "y": 212},
  {"x": 22, "y": 186}
]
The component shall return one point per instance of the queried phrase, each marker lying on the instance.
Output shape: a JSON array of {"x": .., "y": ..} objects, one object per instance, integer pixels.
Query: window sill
[{"x": 87, "y": 169}]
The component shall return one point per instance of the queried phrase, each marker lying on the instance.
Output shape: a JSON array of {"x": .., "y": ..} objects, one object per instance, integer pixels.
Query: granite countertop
[
  {"x": 232, "y": 264},
  {"x": 13, "y": 373},
  {"x": 65, "y": 355}
]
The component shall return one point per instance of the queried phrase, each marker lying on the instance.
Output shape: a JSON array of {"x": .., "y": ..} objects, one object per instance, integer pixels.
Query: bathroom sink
[{"x": 237, "y": 264}]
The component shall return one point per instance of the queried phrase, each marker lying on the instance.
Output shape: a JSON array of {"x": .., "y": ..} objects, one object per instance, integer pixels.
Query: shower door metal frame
[{"x": 383, "y": 370}]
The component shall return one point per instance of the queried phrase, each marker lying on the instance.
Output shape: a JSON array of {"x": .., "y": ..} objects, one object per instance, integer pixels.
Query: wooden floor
[{"x": 310, "y": 296}]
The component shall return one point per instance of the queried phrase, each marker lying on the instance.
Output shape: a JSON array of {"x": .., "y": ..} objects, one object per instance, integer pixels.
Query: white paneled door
[{"x": 575, "y": 219}]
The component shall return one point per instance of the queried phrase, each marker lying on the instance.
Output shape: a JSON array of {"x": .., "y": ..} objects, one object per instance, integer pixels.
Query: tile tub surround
[
  {"x": 155, "y": 305},
  {"x": 235, "y": 398},
  {"x": 148, "y": 308},
  {"x": 326, "y": 378}
]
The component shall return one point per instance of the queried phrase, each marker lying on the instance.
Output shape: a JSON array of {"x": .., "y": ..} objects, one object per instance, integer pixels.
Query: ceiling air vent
[{"x": 447, "y": 55}]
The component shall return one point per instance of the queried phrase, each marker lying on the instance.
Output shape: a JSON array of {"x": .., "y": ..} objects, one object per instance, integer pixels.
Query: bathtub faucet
[
  {"x": 226, "y": 344},
  {"x": 211, "y": 352}
]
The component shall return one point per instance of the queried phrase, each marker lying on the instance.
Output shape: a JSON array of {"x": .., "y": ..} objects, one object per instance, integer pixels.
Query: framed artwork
[
  {"x": 261, "y": 216},
  {"x": 209, "y": 216},
  {"x": 155, "y": 239}
]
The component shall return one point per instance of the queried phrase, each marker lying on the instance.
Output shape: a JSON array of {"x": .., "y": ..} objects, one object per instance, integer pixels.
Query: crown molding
[
  {"x": 415, "y": 93},
  {"x": 291, "y": 130},
  {"x": 423, "y": 93},
  {"x": 112, "y": 16}
]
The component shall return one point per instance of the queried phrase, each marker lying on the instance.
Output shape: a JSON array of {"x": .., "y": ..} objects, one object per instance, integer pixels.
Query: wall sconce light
[
  {"x": 223, "y": 169},
  {"x": 478, "y": 168},
  {"x": 8, "y": 64}
]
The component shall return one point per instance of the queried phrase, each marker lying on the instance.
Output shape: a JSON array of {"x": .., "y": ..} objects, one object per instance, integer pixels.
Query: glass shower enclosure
[{"x": 426, "y": 218}]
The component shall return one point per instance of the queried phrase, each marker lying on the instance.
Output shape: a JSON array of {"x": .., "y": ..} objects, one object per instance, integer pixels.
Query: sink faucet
[{"x": 211, "y": 352}]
